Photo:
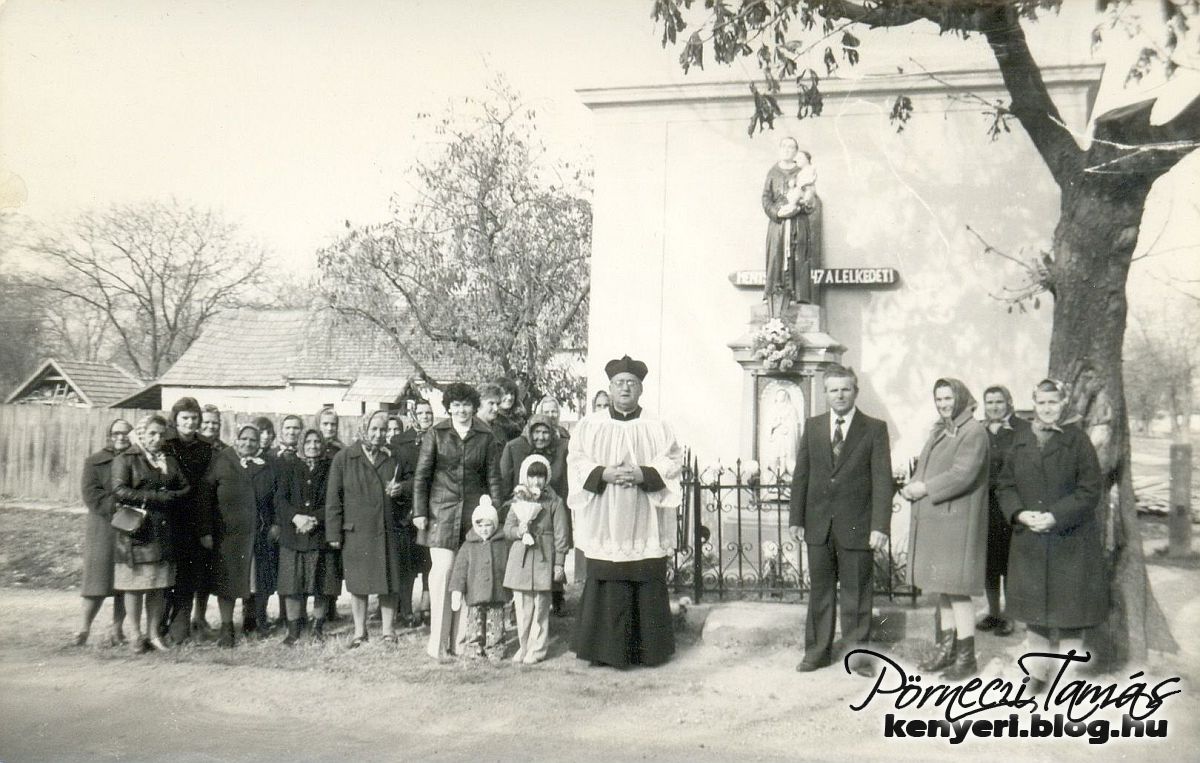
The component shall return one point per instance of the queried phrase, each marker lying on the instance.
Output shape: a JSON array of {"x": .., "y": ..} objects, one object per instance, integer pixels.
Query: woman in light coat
[{"x": 947, "y": 548}]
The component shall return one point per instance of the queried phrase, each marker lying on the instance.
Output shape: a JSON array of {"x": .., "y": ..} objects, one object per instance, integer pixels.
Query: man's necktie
[{"x": 838, "y": 439}]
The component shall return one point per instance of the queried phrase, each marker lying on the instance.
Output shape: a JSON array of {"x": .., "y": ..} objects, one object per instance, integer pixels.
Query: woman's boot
[
  {"x": 225, "y": 639},
  {"x": 318, "y": 630},
  {"x": 943, "y": 656},
  {"x": 293, "y": 632},
  {"x": 964, "y": 661}
]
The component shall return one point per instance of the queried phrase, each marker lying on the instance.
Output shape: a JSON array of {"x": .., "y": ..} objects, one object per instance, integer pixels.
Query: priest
[{"x": 624, "y": 468}]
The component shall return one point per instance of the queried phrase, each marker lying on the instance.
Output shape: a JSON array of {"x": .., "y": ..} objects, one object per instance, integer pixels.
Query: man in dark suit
[{"x": 841, "y": 507}]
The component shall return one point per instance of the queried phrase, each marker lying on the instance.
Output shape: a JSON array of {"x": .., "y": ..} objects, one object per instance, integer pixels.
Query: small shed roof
[{"x": 95, "y": 385}]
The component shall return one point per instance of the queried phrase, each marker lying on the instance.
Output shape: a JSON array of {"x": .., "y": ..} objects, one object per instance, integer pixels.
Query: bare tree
[
  {"x": 1165, "y": 344},
  {"x": 156, "y": 272},
  {"x": 490, "y": 262}
]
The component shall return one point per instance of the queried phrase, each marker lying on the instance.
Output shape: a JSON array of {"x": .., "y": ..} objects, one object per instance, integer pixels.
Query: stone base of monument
[{"x": 742, "y": 623}]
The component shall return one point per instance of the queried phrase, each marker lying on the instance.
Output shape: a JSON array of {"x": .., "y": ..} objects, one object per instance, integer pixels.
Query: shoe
[
  {"x": 390, "y": 639},
  {"x": 519, "y": 657},
  {"x": 964, "y": 661},
  {"x": 531, "y": 660},
  {"x": 139, "y": 645},
  {"x": 293, "y": 633},
  {"x": 358, "y": 641},
  {"x": 1005, "y": 628},
  {"x": 225, "y": 636},
  {"x": 157, "y": 644},
  {"x": 943, "y": 656},
  {"x": 80, "y": 639},
  {"x": 988, "y": 623},
  {"x": 249, "y": 625},
  {"x": 864, "y": 669},
  {"x": 806, "y": 666},
  {"x": 201, "y": 629},
  {"x": 116, "y": 636},
  {"x": 318, "y": 631}
]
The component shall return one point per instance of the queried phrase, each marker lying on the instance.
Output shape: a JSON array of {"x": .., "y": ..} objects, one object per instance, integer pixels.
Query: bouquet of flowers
[
  {"x": 777, "y": 345},
  {"x": 526, "y": 507}
]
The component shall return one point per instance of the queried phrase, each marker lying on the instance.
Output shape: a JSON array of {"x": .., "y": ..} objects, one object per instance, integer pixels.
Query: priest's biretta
[{"x": 626, "y": 365}]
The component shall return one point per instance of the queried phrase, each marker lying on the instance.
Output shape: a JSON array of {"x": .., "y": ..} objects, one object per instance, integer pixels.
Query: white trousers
[
  {"x": 445, "y": 627},
  {"x": 533, "y": 624}
]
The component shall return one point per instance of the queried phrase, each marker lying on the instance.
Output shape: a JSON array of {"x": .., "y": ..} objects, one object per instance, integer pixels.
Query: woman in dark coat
[
  {"x": 459, "y": 462},
  {"x": 1049, "y": 489},
  {"x": 307, "y": 565},
  {"x": 145, "y": 566},
  {"x": 99, "y": 537},
  {"x": 405, "y": 448},
  {"x": 239, "y": 499},
  {"x": 947, "y": 546},
  {"x": 362, "y": 519},
  {"x": 1002, "y": 424}
]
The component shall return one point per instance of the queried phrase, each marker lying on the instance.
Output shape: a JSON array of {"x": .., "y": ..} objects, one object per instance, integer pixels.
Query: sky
[{"x": 294, "y": 117}]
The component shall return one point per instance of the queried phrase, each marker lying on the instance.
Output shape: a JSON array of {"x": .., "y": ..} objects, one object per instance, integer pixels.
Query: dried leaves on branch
[{"x": 489, "y": 260}]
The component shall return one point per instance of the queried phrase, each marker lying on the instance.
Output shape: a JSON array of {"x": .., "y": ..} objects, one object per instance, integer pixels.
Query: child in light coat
[
  {"x": 477, "y": 578},
  {"x": 537, "y": 527}
]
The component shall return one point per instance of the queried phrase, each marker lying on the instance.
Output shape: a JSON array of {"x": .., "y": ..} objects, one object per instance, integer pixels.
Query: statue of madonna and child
[{"x": 793, "y": 210}]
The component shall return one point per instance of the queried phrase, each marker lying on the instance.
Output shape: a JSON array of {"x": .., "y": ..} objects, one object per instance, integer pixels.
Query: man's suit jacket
[{"x": 850, "y": 499}]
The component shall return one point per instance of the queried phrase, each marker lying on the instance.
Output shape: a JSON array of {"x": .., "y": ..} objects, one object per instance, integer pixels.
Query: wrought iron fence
[{"x": 734, "y": 543}]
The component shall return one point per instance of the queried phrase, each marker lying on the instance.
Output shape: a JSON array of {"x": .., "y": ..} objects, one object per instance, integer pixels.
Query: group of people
[
  {"x": 485, "y": 505},
  {"x": 475, "y": 505},
  {"x": 999, "y": 505}
]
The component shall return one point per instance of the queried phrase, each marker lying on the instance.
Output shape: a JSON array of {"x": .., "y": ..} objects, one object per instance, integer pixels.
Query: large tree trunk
[{"x": 1093, "y": 247}]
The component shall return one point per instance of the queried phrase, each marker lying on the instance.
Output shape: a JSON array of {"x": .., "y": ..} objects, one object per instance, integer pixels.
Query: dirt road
[{"x": 264, "y": 702}]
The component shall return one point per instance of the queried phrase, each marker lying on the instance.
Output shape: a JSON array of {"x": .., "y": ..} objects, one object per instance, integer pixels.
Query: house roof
[
  {"x": 96, "y": 384},
  {"x": 266, "y": 348}
]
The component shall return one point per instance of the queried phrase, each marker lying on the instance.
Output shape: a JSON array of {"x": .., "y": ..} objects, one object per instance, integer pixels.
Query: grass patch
[{"x": 41, "y": 548}]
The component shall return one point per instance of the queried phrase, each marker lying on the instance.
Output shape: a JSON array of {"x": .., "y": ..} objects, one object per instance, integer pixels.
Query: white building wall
[{"x": 677, "y": 209}]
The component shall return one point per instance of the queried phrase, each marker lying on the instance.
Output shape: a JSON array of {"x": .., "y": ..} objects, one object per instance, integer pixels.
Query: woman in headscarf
[
  {"x": 362, "y": 510},
  {"x": 948, "y": 539},
  {"x": 459, "y": 462},
  {"x": 1049, "y": 489},
  {"x": 152, "y": 480},
  {"x": 99, "y": 537},
  {"x": 1002, "y": 426},
  {"x": 307, "y": 566},
  {"x": 601, "y": 401},
  {"x": 239, "y": 496}
]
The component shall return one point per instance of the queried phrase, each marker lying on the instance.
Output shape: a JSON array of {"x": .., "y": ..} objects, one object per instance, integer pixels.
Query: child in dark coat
[{"x": 478, "y": 576}]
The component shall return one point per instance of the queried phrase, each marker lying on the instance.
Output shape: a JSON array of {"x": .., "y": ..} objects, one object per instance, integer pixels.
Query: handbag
[{"x": 128, "y": 518}]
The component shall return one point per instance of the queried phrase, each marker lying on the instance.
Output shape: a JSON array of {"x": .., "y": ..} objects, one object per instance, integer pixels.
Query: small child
[
  {"x": 537, "y": 527},
  {"x": 478, "y": 576}
]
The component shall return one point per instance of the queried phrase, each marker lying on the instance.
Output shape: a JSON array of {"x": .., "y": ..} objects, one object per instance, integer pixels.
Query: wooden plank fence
[{"x": 43, "y": 447}]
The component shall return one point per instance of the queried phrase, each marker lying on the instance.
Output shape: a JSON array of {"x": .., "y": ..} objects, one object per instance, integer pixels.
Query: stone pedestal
[{"x": 769, "y": 432}]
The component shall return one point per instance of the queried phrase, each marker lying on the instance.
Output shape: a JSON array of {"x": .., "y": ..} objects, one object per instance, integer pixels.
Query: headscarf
[
  {"x": 1008, "y": 399},
  {"x": 108, "y": 434},
  {"x": 247, "y": 460},
  {"x": 157, "y": 459},
  {"x": 1066, "y": 415},
  {"x": 964, "y": 405},
  {"x": 311, "y": 462},
  {"x": 363, "y": 425},
  {"x": 539, "y": 419}
]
